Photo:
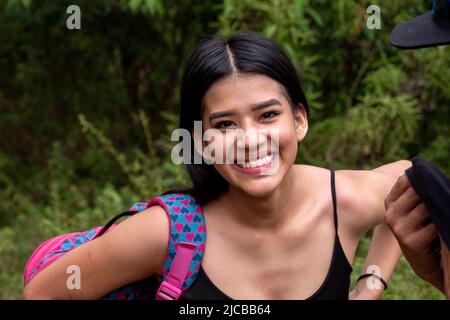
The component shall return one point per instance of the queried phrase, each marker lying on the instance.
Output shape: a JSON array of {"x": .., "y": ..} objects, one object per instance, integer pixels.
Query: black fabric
[
  {"x": 427, "y": 30},
  {"x": 433, "y": 187},
  {"x": 421, "y": 32},
  {"x": 335, "y": 287}
]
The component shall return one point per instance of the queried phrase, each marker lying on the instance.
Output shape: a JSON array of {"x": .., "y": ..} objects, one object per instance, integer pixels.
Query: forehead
[{"x": 240, "y": 90}]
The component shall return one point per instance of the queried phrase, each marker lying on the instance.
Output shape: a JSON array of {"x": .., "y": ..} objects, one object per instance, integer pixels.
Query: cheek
[
  {"x": 220, "y": 148},
  {"x": 286, "y": 136},
  {"x": 288, "y": 143}
]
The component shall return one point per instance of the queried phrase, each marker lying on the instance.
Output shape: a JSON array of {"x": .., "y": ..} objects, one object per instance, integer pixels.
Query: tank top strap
[{"x": 333, "y": 195}]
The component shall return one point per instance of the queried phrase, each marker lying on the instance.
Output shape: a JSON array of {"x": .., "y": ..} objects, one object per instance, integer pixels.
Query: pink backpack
[{"x": 184, "y": 254}]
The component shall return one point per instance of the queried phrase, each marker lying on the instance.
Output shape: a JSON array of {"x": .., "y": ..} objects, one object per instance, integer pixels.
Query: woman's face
[{"x": 255, "y": 128}]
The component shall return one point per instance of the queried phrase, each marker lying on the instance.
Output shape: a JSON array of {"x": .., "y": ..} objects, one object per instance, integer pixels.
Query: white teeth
[{"x": 257, "y": 163}]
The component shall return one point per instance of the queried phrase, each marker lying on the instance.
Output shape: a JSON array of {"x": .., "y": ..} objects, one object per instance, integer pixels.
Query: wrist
[
  {"x": 364, "y": 292},
  {"x": 373, "y": 281}
]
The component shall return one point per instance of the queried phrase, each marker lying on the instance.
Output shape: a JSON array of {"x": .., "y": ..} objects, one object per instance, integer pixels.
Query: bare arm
[
  {"x": 384, "y": 251},
  {"x": 132, "y": 251},
  {"x": 381, "y": 259}
]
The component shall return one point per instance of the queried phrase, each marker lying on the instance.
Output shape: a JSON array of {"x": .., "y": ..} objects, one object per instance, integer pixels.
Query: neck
[{"x": 270, "y": 212}]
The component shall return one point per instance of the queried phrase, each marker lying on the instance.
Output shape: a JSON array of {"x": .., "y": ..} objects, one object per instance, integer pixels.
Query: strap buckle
[
  {"x": 171, "y": 287},
  {"x": 168, "y": 291}
]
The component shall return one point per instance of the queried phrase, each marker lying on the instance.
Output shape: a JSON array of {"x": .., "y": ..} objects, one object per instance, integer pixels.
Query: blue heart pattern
[{"x": 185, "y": 215}]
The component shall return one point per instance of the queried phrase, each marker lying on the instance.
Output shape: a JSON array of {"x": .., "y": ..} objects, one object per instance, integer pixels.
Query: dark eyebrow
[{"x": 254, "y": 107}]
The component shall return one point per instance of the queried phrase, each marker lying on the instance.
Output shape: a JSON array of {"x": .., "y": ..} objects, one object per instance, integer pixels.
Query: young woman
[{"x": 291, "y": 234}]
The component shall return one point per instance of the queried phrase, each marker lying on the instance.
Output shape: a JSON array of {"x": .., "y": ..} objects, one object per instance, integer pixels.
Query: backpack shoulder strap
[{"x": 186, "y": 242}]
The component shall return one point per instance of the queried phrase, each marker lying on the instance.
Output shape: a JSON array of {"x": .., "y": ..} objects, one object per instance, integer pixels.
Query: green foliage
[
  {"x": 367, "y": 135},
  {"x": 370, "y": 103},
  {"x": 147, "y": 172},
  {"x": 85, "y": 115}
]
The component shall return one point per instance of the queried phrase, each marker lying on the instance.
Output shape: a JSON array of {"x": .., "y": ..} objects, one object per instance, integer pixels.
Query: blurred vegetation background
[{"x": 85, "y": 115}]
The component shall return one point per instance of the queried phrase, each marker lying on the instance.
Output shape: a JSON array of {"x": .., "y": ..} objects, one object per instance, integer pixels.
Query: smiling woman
[
  {"x": 286, "y": 233},
  {"x": 245, "y": 59}
]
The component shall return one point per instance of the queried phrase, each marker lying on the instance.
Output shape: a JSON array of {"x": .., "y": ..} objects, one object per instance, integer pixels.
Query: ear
[{"x": 301, "y": 122}]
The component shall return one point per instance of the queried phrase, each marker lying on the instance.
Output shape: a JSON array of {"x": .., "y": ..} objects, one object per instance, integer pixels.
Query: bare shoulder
[
  {"x": 308, "y": 171},
  {"x": 319, "y": 178},
  {"x": 361, "y": 193}
]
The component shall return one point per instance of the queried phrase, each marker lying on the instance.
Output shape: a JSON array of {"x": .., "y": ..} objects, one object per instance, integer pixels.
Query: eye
[
  {"x": 224, "y": 124},
  {"x": 269, "y": 115}
]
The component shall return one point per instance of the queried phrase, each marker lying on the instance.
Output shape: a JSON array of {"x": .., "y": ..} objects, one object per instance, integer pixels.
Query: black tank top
[{"x": 335, "y": 287}]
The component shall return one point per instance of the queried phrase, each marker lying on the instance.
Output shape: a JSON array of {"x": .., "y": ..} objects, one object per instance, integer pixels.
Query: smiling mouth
[{"x": 256, "y": 163}]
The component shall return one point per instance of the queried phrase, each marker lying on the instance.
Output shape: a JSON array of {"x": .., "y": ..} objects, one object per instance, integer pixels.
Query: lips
[{"x": 265, "y": 165}]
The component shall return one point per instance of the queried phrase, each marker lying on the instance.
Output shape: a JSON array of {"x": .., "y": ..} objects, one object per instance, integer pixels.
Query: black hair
[{"x": 212, "y": 60}]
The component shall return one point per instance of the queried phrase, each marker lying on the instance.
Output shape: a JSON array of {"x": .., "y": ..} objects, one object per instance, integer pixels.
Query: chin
[
  {"x": 258, "y": 191},
  {"x": 258, "y": 187}
]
